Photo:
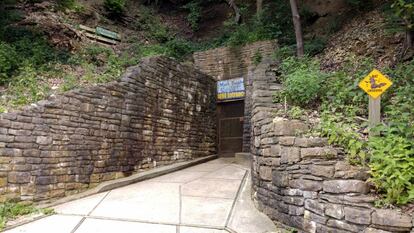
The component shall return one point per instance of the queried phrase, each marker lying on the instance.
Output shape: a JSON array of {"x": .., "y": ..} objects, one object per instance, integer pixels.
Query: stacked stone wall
[
  {"x": 232, "y": 62},
  {"x": 158, "y": 113},
  {"x": 305, "y": 183}
]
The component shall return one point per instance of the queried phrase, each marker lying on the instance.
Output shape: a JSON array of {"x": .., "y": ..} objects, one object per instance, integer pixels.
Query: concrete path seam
[
  {"x": 84, "y": 217},
  {"x": 96, "y": 206},
  {"x": 228, "y": 229},
  {"x": 225, "y": 198},
  {"x": 181, "y": 205},
  {"x": 235, "y": 199},
  {"x": 78, "y": 225},
  {"x": 206, "y": 173}
]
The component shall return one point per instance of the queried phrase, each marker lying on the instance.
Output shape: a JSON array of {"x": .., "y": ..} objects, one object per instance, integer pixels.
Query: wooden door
[{"x": 230, "y": 127}]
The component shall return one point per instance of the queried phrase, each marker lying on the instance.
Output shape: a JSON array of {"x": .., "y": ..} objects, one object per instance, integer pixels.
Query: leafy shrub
[
  {"x": 27, "y": 87},
  {"x": 315, "y": 46},
  {"x": 257, "y": 58},
  {"x": 285, "y": 52},
  {"x": 115, "y": 7},
  {"x": 11, "y": 210},
  {"x": 302, "y": 81},
  {"x": 296, "y": 112},
  {"x": 8, "y": 64},
  {"x": 342, "y": 131},
  {"x": 179, "y": 48},
  {"x": 194, "y": 15},
  {"x": 274, "y": 22},
  {"x": 152, "y": 26},
  {"x": 66, "y": 3},
  {"x": 392, "y": 163}
]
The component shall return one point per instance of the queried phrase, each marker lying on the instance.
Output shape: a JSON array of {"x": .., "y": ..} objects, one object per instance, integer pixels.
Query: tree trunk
[
  {"x": 409, "y": 39},
  {"x": 259, "y": 6},
  {"x": 235, "y": 9},
  {"x": 298, "y": 28}
]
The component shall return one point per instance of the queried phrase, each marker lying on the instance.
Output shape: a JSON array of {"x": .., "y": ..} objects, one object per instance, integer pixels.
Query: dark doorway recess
[{"x": 230, "y": 127}]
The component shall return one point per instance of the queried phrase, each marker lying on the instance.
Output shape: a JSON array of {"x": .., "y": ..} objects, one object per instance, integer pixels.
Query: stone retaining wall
[
  {"x": 305, "y": 183},
  {"x": 158, "y": 113},
  {"x": 232, "y": 62}
]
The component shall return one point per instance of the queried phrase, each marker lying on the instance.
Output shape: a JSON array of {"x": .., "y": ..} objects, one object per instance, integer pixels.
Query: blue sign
[{"x": 230, "y": 89}]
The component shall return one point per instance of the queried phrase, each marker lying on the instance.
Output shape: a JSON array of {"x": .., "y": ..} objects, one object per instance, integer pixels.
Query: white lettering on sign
[{"x": 230, "y": 89}]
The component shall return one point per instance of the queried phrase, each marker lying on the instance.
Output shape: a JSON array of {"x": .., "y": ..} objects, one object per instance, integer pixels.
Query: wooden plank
[
  {"x": 374, "y": 113},
  {"x": 100, "y": 38},
  {"x": 106, "y": 33},
  {"x": 85, "y": 28}
]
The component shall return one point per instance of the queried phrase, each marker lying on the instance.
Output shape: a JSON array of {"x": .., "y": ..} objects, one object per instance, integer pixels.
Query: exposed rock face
[
  {"x": 310, "y": 187},
  {"x": 160, "y": 112}
]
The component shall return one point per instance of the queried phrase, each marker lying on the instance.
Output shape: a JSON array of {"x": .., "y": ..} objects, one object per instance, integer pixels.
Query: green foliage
[
  {"x": 343, "y": 110},
  {"x": 302, "y": 81},
  {"x": 392, "y": 163},
  {"x": 195, "y": 13},
  {"x": 404, "y": 9},
  {"x": 274, "y": 22},
  {"x": 27, "y": 87},
  {"x": 115, "y": 7},
  {"x": 392, "y": 154},
  {"x": 152, "y": 26},
  {"x": 179, "y": 48},
  {"x": 64, "y": 4},
  {"x": 284, "y": 52},
  {"x": 296, "y": 112},
  {"x": 257, "y": 58},
  {"x": 341, "y": 130},
  {"x": 8, "y": 64},
  {"x": 11, "y": 210},
  {"x": 315, "y": 46}
]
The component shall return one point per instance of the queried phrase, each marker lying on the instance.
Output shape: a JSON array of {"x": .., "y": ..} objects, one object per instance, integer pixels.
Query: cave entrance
[
  {"x": 230, "y": 116},
  {"x": 230, "y": 127}
]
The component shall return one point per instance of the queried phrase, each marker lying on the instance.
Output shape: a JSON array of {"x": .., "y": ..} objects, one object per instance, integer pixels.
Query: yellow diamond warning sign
[{"x": 375, "y": 84}]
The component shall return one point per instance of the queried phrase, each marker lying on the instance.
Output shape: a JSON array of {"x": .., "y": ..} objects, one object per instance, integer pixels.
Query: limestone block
[
  {"x": 298, "y": 201},
  {"x": 18, "y": 177},
  {"x": 344, "y": 170},
  {"x": 373, "y": 230},
  {"x": 280, "y": 179},
  {"x": 306, "y": 185},
  {"x": 311, "y": 142},
  {"x": 318, "y": 152},
  {"x": 308, "y": 215},
  {"x": 289, "y": 155},
  {"x": 358, "y": 215},
  {"x": 315, "y": 206},
  {"x": 391, "y": 220},
  {"x": 335, "y": 211},
  {"x": 284, "y": 127},
  {"x": 345, "y": 186},
  {"x": 275, "y": 150},
  {"x": 287, "y": 141},
  {"x": 265, "y": 173},
  {"x": 323, "y": 171},
  {"x": 344, "y": 225}
]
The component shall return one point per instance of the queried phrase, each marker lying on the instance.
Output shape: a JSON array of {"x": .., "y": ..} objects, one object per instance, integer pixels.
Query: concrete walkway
[{"x": 213, "y": 197}]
